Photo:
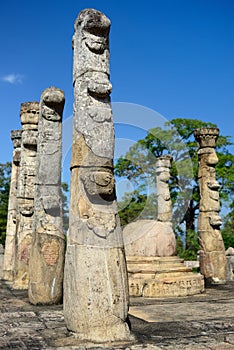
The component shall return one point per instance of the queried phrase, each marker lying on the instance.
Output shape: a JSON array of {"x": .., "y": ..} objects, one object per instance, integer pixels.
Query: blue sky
[{"x": 172, "y": 56}]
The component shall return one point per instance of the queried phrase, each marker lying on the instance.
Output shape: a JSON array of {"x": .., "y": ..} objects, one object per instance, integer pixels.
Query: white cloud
[{"x": 13, "y": 78}]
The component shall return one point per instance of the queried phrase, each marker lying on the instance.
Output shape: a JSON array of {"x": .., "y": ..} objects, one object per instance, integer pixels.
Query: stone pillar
[
  {"x": 163, "y": 166},
  {"x": 48, "y": 247},
  {"x": 95, "y": 277},
  {"x": 29, "y": 119},
  {"x": 9, "y": 256},
  {"x": 212, "y": 251}
]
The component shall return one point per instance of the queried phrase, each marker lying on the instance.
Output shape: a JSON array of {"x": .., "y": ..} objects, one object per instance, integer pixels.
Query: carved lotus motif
[{"x": 101, "y": 223}]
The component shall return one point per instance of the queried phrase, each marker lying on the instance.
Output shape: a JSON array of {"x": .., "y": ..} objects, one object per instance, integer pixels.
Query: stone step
[
  {"x": 156, "y": 269},
  {"x": 189, "y": 284},
  {"x": 174, "y": 274},
  {"x": 160, "y": 276},
  {"x": 154, "y": 259},
  {"x": 155, "y": 277},
  {"x": 157, "y": 266}
]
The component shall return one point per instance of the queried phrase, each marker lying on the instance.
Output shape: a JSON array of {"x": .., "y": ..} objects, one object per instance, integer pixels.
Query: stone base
[
  {"x": 20, "y": 281},
  {"x": 230, "y": 268},
  {"x": 95, "y": 302},
  {"x": 73, "y": 342},
  {"x": 160, "y": 277},
  {"x": 8, "y": 275}
]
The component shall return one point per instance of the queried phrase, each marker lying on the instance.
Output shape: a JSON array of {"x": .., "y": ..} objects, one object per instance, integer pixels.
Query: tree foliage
[
  {"x": 5, "y": 178},
  {"x": 139, "y": 166}
]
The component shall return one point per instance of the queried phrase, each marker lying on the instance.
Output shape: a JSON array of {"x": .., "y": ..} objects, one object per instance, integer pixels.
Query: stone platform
[
  {"x": 199, "y": 322},
  {"x": 154, "y": 277}
]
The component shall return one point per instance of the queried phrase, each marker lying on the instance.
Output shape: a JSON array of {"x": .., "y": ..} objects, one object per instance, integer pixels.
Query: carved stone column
[
  {"x": 163, "y": 166},
  {"x": 25, "y": 196},
  {"x": 47, "y": 254},
  {"x": 9, "y": 256},
  {"x": 95, "y": 277},
  {"x": 212, "y": 251}
]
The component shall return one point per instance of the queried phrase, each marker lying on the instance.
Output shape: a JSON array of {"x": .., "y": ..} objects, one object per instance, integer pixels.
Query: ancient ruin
[
  {"x": 9, "y": 256},
  {"x": 230, "y": 264},
  {"x": 163, "y": 166},
  {"x": 25, "y": 196},
  {"x": 212, "y": 252},
  {"x": 95, "y": 276},
  {"x": 154, "y": 270},
  {"x": 154, "y": 237},
  {"x": 48, "y": 246}
]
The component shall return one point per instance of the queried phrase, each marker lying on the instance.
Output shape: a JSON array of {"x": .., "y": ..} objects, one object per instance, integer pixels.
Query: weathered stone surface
[
  {"x": 212, "y": 251},
  {"x": 163, "y": 166},
  {"x": 154, "y": 237},
  {"x": 10, "y": 244},
  {"x": 48, "y": 247},
  {"x": 1, "y": 260},
  {"x": 25, "y": 196},
  {"x": 230, "y": 263},
  {"x": 149, "y": 238},
  {"x": 230, "y": 268},
  {"x": 159, "y": 277},
  {"x": 153, "y": 269},
  {"x": 203, "y": 321},
  {"x": 95, "y": 276}
]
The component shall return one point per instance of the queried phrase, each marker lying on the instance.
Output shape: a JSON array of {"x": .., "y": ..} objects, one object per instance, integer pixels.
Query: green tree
[
  {"x": 5, "y": 179},
  {"x": 176, "y": 138},
  {"x": 136, "y": 206}
]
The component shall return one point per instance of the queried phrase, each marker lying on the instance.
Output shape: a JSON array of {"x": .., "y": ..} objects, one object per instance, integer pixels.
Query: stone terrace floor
[{"x": 200, "y": 322}]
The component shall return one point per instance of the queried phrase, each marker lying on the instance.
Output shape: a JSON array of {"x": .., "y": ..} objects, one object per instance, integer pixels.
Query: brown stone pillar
[
  {"x": 9, "y": 256},
  {"x": 25, "y": 196},
  {"x": 212, "y": 251},
  {"x": 95, "y": 277},
  {"x": 47, "y": 254}
]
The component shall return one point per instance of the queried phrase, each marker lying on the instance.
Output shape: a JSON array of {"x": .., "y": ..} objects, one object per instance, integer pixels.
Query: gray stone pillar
[
  {"x": 163, "y": 166},
  {"x": 29, "y": 119},
  {"x": 9, "y": 256},
  {"x": 95, "y": 277},
  {"x": 212, "y": 251},
  {"x": 48, "y": 247}
]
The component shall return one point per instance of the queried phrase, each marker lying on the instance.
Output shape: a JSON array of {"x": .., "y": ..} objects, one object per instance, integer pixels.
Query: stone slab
[{"x": 200, "y": 322}]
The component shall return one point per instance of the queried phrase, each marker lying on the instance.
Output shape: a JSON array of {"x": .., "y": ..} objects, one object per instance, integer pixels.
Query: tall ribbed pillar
[
  {"x": 9, "y": 256},
  {"x": 29, "y": 119},
  {"x": 212, "y": 251},
  {"x": 47, "y": 255},
  {"x": 95, "y": 277}
]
